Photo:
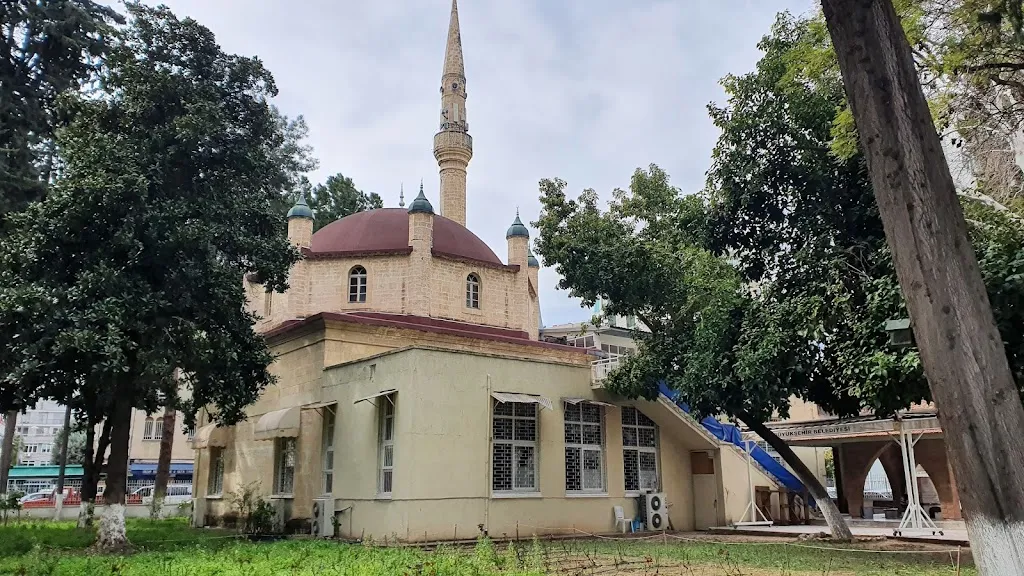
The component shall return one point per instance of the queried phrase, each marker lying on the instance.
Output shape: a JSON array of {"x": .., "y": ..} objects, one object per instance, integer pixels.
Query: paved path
[{"x": 954, "y": 536}]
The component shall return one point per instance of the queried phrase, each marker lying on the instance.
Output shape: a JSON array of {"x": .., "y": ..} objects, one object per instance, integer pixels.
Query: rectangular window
[
  {"x": 614, "y": 349},
  {"x": 284, "y": 474},
  {"x": 584, "y": 447},
  {"x": 386, "y": 441},
  {"x": 328, "y": 450},
  {"x": 215, "y": 484},
  {"x": 268, "y": 304},
  {"x": 639, "y": 450},
  {"x": 514, "y": 452}
]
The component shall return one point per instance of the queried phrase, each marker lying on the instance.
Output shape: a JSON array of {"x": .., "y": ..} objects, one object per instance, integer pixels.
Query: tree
[
  {"x": 9, "y": 453},
  {"x": 338, "y": 197},
  {"x": 50, "y": 47},
  {"x": 132, "y": 266},
  {"x": 961, "y": 348},
  {"x": 76, "y": 446},
  {"x": 648, "y": 256},
  {"x": 163, "y": 465}
]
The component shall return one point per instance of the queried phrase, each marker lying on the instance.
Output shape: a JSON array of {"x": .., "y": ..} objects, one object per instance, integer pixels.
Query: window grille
[
  {"x": 514, "y": 453},
  {"x": 215, "y": 483},
  {"x": 284, "y": 479},
  {"x": 639, "y": 450},
  {"x": 387, "y": 445},
  {"x": 584, "y": 447}
]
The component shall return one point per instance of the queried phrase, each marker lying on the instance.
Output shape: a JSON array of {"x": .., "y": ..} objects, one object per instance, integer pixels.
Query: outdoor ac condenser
[
  {"x": 657, "y": 512},
  {"x": 323, "y": 514}
]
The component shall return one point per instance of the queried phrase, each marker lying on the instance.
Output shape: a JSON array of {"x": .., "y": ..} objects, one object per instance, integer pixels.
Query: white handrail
[{"x": 599, "y": 369}]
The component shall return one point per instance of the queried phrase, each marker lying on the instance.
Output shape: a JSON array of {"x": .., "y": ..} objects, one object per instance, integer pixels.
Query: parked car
[
  {"x": 176, "y": 494},
  {"x": 36, "y": 496}
]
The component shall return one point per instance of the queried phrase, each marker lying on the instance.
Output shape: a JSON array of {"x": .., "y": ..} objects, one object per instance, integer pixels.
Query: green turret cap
[
  {"x": 421, "y": 205},
  {"x": 301, "y": 209},
  {"x": 517, "y": 229},
  {"x": 531, "y": 260}
]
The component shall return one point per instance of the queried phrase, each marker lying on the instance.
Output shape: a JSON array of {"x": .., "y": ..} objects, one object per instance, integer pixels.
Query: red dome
[{"x": 386, "y": 231}]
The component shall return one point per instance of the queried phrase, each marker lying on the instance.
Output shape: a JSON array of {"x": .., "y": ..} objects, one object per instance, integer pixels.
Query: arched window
[
  {"x": 472, "y": 291},
  {"x": 147, "y": 431},
  {"x": 357, "y": 284}
]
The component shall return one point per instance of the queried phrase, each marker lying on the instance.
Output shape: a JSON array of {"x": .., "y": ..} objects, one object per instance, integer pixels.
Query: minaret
[{"x": 453, "y": 146}]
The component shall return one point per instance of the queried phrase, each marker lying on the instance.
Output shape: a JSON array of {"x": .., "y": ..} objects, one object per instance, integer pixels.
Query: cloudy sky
[{"x": 583, "y": 90}]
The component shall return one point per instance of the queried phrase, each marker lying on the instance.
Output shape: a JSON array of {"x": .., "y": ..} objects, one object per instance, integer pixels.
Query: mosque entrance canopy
[{"x": 835, "y": 431}]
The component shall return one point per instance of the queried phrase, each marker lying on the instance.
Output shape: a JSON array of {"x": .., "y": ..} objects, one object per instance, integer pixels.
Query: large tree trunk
[
  {"x": 111, "y": 536},
  {"x": 163, "y": 466},
  {"x": 961, "y": 350},
  {"x": 834, "y": 519},
  {"x": 62, "y": 461},
  {"x": 6, "y": 453}
]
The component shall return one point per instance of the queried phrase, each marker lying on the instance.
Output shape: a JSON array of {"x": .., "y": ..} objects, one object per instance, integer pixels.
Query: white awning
[
  {"x": 521, "y": 398},
  {"x": 318, "y": 405},
  {"x": 210, "y": 436},
  {"x": 375, "y": 396},
  {"x": 575, "y": 401},
  {"x": 278, "y": 424}
]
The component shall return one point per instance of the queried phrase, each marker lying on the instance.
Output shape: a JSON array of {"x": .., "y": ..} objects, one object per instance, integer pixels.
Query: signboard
[{"x": 838, "y": 430}]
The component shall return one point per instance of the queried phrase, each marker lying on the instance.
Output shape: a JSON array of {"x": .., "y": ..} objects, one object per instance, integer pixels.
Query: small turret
[
  {"x": 421, "y": 205},
  {"x": 517, "y": 229},
  {"x": 300, "y": 223},
  {"x": 518, "y": 237},
  {"x": 531, "y": 260},
  {"x": 421, "y": 240}
]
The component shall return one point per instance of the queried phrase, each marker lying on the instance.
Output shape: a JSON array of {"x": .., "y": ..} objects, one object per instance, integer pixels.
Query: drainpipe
[{"x": 487, "y": 457}]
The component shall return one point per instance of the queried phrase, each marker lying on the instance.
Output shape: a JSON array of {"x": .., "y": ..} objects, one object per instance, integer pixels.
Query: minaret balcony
[{"x": 449, "y": 139}]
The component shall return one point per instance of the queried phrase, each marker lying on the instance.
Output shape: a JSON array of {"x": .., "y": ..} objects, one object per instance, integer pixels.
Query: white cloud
[{"x": 584, "y": 90}]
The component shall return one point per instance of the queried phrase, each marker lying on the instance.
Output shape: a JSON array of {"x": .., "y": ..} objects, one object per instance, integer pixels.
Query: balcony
[{"x": 599, "y": 369}]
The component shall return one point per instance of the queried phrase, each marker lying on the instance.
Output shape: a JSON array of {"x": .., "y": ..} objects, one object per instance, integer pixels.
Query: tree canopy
[
  {"x": 76, "y": 446},
  {"x": 132, "y": 265},
  {"x": 338, "y": 197},
  {"x": 775, "y": 280},
  {"x": 51, "y": 47}
]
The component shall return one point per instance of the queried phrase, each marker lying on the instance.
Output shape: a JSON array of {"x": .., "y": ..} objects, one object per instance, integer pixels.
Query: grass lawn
[{"x": 170, "y": 547}]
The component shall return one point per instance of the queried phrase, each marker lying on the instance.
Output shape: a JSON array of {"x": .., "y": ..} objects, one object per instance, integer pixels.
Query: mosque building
[{"x": 415, "y": 400}]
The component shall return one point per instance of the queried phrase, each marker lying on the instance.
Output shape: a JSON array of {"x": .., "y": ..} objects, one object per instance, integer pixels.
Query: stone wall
[{"x": 393, "y": 285}]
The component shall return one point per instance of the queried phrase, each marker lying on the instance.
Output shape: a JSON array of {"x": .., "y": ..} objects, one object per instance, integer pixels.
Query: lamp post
[{"x": 900, "y": 333}]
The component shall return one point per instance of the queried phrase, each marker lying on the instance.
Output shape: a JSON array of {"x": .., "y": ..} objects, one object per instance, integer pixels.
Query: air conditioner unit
[
  {"x": 323, "y": 518},
  {"x": 656, "y": 511}
]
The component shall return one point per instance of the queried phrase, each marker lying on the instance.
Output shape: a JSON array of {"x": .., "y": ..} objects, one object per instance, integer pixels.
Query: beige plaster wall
[
  {"x": 736, "y": 486},
  {"x": 149, "y": 450},
  {"x": 442, "y": 447}
]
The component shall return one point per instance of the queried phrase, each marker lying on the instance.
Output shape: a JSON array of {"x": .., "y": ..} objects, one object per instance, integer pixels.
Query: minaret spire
[
  {"x": 401, "y": 195},
  {"x": 453, "y": 63},
  {"x": 453, "y": 146}
]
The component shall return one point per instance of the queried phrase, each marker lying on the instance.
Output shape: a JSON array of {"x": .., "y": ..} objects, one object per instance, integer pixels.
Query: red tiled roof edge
[
  {"x": 354, "y": 253},
  {"x": 423, "y": 324}
]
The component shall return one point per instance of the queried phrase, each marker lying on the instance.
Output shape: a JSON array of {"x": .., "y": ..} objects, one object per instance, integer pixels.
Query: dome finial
[
  {"x": 301, "y": 209},
  {"x": 401, "y": 195},
  {"x": 421, "y": 205},
  {"x": 517, "y": 229}
]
